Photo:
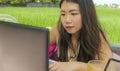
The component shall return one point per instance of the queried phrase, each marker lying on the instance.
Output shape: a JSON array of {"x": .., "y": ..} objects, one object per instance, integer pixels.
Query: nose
[{"x": 68, "y": 19}]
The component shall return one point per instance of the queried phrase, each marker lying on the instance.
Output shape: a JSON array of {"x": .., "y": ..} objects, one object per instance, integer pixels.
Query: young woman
[{"x": 78, "y": 37}]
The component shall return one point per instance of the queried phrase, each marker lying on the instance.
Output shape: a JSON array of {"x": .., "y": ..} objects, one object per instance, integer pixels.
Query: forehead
[{"x": 69, "y": 6}]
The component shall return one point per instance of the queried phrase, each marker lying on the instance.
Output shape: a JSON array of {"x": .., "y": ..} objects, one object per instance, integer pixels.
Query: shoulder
[
  {"x": 104, "y": 42},
  {"x": 54, "y": 35},
  {"x": 103, "y": 37}
]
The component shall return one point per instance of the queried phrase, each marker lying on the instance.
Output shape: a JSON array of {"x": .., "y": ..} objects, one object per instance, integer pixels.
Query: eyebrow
[{"x": 70, "y": 10}]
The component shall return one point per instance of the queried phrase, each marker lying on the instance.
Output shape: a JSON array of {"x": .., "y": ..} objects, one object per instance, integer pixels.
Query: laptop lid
[
  {"x": 112, "y": 65},
  {"x": 23, "y": 48}
]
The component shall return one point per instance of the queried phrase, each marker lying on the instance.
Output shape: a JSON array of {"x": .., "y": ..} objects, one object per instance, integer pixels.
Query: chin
[{"x": 70, "y": 32}]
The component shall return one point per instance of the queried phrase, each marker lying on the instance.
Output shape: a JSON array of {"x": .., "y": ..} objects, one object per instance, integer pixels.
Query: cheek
[
  {"x": 78, "y": 21},
  {"x": 62, "y": 21}
]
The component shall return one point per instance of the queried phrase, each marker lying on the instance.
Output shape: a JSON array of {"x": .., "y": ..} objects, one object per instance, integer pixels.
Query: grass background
[{"x": 108, "y": 17}]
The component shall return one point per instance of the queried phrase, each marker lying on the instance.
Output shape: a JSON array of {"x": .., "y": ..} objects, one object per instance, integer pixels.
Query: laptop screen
[{"x": 23, "y": 48}]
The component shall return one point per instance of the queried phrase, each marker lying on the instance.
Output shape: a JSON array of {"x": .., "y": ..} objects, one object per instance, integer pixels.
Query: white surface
[{"x": 51, "y": 61}]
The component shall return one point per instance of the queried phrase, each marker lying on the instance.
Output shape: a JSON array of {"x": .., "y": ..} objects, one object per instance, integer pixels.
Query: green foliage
[
  {"x": 55, "y": 1},
  {"x": 17, "y": 1},
  {"x": 40, "y": 1},
  {"x": 25, "y": 1},
  {"x": 3, "y": 1},
  {"x": 48, "y": 1}
]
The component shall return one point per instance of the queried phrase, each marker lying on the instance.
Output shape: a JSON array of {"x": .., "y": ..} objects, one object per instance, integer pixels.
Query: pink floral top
[{"x": 53, "y": 51}]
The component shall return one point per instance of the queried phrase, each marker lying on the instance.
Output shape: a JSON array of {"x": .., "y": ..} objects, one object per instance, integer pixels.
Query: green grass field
[
  {"x": 108, "y": 17},
  {"x": 33, "y": 16}
]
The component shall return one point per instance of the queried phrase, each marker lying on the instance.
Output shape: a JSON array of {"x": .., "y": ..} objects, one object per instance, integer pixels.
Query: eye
[
  {"x": 74, "y": 14},
  {"x": 62, "y": 14}
]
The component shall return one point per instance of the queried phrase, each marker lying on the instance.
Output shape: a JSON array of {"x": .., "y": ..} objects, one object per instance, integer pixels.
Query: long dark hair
[{"x": 89, "y": 37}]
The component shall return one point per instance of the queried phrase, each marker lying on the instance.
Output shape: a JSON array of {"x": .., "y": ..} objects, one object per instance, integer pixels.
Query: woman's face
[{"x": 71, "y": 17}]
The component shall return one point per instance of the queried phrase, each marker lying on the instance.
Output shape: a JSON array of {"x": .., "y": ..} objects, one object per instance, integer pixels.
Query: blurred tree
[
  {"x": 32, "y": 0},
  {"x": 17, "y": 1},
  {"x": 28, "y": 1},
  {"x": 39, "y": 0},
  {"x": 55, "y": 1},
  {"x": 43, "y": 1},
  {"x": 4, "y": 1}
]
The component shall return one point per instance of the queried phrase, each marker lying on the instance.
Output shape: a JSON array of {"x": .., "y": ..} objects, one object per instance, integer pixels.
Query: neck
[
  {"x": 75, "y": 40},
  {"x": 75, "y": 37}
]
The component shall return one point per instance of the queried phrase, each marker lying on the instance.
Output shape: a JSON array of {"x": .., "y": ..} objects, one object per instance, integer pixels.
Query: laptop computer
[
  {"x": 112, "y": 65},
  {"x": 23, "y": 47}
]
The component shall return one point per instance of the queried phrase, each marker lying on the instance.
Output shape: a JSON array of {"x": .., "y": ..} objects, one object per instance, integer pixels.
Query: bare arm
[{"x": 105, "y": 50}]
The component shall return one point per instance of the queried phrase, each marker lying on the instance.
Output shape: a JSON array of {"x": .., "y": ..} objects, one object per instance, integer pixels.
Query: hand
[{"x": 64, "y": 66}]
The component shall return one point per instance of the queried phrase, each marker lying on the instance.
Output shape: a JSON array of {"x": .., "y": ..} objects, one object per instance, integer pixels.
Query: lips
[{"x": 69, "y": 27}]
